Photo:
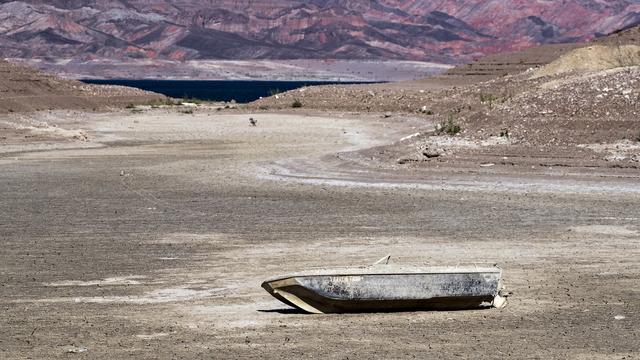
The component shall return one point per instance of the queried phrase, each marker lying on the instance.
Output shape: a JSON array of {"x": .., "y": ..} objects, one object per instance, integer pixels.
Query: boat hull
[{"x": 384, "y": 292}]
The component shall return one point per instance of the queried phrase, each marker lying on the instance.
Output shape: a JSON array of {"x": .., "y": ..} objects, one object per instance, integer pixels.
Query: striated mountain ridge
[{"x": 442, "y": 31}]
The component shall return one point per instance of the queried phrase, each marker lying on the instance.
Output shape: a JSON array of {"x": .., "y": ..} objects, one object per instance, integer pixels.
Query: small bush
[
  {"x": 504, "y": 133},
  {"x": 488, "y": 99},
  {"x": 130, "y": 106},
  {"x": 274, "y": 92},
  {"x": 449, "y": 127},
  {"x": 163, "y": 102},
  {"x": 296, "y": 104},
  {"x": 191, "y": 100},
  {"x": 188, "y": 111}
]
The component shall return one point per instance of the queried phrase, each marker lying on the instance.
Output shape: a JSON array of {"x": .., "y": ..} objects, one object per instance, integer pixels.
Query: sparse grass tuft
[
  {"x": 449, "y": 127},
  {"x": 296, "y": 104},
  {"x": 504, "y": 133}
]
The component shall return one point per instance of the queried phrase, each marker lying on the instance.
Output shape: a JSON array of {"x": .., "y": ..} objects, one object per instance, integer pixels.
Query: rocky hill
[
  {"x": 550, "y": 97},
  {"x": 441, "y": 31}
]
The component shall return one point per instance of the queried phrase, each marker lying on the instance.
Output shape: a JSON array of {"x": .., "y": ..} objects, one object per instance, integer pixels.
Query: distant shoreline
[
  {"x": 315, "y": 81},
  {"x": 250, "y": 70}
]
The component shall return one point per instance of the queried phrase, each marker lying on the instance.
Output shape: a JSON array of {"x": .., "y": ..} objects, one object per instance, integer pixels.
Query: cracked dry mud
[{"x": 151, "y": 240}]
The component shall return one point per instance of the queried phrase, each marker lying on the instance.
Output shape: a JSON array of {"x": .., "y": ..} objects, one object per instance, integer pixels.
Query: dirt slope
[
  {"x": 592, "y": 58},
  {"x": 25, "y": 89}
]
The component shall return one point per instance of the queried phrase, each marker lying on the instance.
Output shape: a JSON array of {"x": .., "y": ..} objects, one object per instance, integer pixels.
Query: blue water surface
[{"x": 242, "y": 91}]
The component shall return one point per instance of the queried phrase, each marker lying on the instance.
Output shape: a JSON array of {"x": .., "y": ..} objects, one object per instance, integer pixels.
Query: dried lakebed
[{"x": 151, "y": 240}]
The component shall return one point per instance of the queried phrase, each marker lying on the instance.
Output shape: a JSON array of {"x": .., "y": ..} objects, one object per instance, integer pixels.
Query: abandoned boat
[{"x": 384, "y": 287}]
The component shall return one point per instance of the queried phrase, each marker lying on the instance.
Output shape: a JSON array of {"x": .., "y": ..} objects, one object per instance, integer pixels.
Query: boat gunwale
[{"x": 445, "y": 270}]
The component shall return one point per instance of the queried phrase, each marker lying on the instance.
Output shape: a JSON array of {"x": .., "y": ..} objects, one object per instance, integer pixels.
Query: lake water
[{"x": 242, "y": 91}]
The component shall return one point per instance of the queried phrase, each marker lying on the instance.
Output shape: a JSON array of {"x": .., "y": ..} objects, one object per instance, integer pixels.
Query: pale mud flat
[
  {"x": 297, "y": 70},
  {"x": 150, "y": 240}
]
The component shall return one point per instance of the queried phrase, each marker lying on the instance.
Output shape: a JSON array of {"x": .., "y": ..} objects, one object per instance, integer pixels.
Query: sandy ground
[{"x": 150, "y": 238}]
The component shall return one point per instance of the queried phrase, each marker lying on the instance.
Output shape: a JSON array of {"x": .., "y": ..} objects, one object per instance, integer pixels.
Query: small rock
[
  {"x": 430, "y": 153},
  {"x": 410, "y": 136},
  {"x": 403, "y": 161},
  {"x": 76, "y": 350}
]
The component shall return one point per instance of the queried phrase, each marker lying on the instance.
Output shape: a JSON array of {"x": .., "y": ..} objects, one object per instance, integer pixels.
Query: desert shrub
[
  {"x": 163, "y": 102},
  {"x": 449, "y": 127},
  {"x": 504, "y": 133},
  {"x": 296, "y": 104},
  {"x": 488, "y": 99},
  {"x": 188, "y": 111},
  {"x": 274, "y": 92},
  {"x": 187, "y": 99},
  {"x": 130, "y": 106}
]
